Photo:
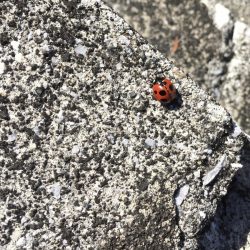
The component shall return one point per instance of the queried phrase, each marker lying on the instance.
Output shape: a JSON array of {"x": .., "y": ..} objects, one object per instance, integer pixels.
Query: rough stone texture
[
  {"x": 240, "y": 9},
  {"x": 227, "y": 79},
  {"x": 230, "y": 227},
  {"x": 88, "y": 159},
  {"x": 200, "y": 42},
  {"x": 182, "y": 30},
  {"x": 234, "y": 88}
]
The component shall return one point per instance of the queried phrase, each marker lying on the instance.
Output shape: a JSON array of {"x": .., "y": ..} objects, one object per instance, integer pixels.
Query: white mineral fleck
[
  {"x": 2, "y": 67},
  {"x": 221, "y": 16},
  {"x": 197, "y": 174},
  {"x": 36, "y": 130},
  {"x": 12, "y": 137},
  {"x": 215, "y": 171},
  {"x": 160, "y": 143},
  {"x": 78, "y": 41},
  {"x": 236, "y": 165},
  {"x": 45, "y": 85},
  {"x": 202, "y": 214},
  {"x": 216, "y": 112},
  {"x": 125, "y": 141},
  {"x": 144, "y": 73},
  {"x": 56, "y": 190},
  {"x": 124, "y": 40},
  {"x": 81, "y": 50},
  {"x": 45, "y": 48},
  {"x": 29, "y": 240},
  {"x": 19, "y": 57},
  {"x": 60, "y": 116},
  {"x": 31, "y": 146},
  {"x": 54, "y": 60},
  {"x": 108, "y": 77},
  {"x": 15, "y": 45},
  {"x": 75, "y": 149},
  {"x": 150, "y": 142},
  {"x": 181, "y": 146},
  {"x": 237, "y": 131},
  {"x": 30, "y": 35},
  {"x": 111, "y": 138},
  {"x": 181, "y": 195},
  {"x": 136, "y": 160},
  {"x": 24, "y": 219},
  {"x": 118, "y": 66},
  {"x": 239, "y": 31},
  {"x": 208, "y": 151},
  {"x": 38, "y": 32},
  {"x": 21, "y": 242}
]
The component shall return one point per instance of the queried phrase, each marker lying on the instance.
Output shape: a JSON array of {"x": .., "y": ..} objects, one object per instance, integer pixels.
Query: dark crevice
[
  {"x": 177, "y": 220},
  {"x": 232, "y": 227}
]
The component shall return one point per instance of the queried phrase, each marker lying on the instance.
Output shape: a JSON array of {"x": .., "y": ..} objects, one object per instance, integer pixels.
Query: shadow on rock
[
  {"x": 230, "y": 227},
  {"x": 174, "y": 105}
]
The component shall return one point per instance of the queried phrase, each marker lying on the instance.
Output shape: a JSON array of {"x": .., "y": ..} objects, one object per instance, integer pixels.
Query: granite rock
[
  {"x": 181, "y": 30},
  {"x": 88, "y": 160},
  {"x": 240, "y": 9},
  {"x": 233, "y": 90},
  {"x": 199, "y": 36},
  {"x": 229, "y": 228}
]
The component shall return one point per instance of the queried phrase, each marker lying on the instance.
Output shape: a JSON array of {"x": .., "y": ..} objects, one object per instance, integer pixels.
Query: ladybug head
[{"x": 159, "y": 80}]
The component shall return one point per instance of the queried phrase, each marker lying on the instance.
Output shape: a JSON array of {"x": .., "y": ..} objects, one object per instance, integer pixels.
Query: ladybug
[{"x": 164, "y": 90}]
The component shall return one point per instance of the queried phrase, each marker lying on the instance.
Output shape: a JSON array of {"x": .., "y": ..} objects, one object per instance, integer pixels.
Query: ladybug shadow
[{"x": 175, "y": 104}]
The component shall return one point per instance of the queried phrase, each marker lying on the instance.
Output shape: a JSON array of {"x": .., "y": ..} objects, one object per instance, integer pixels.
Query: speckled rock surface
[
  {"x": 181, "y": 30},
  {"x": 199, "y": 36},
  {"x": 230, "y": 227},
  {"x": 88, "y": 159},
  {"x": 240, "y": 9},
  {"x": 233, "y": 84},
  {"x": 236, "y": 88}
]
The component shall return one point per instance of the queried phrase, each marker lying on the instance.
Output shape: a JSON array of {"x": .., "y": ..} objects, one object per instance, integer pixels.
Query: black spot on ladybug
[
  {"x": 155, "y": 92},
  {"x": 162, "y": 92}
]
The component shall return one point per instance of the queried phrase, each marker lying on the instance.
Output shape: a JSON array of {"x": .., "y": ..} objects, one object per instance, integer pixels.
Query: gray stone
[
  {"x": 236, "y": 89},
  {"x": 181, "y": 30},
  {"x": 198, "y": 35},
  {"x": 229, "y": 228},
  {"x": 68, "y": 179},
  {"x": 240, "y": 9},
  {"x": 150, "y": 143},
  {"x": 226, "y": 78},
  {"x": 234, "y": 81}
]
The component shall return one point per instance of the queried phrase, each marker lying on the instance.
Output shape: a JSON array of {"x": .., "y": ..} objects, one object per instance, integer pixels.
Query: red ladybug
[{"x": 164, "y": 90}]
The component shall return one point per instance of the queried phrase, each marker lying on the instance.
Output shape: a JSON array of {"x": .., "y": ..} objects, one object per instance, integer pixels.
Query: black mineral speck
[
  {"x": 65, "y": 57},
  {"x": 4, "y": 114},
  {"x": 4, "y": 39},
  {"x": 143, "y": 185}
]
